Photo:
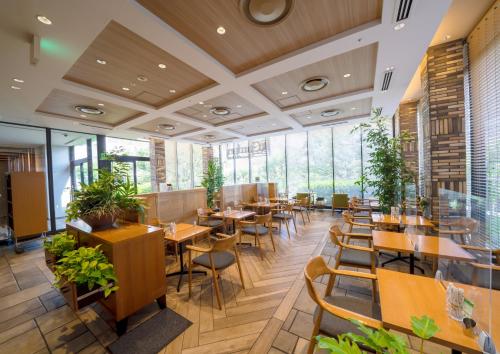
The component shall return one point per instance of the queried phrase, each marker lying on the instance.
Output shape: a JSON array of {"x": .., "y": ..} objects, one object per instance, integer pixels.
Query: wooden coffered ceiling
[
  {"x": 180, "y": 128},
  {"x": 284, "y": 90},
  {"x": 212, "y": 137},
  {"x": 353, "y": 109},
  {"x": 240, "y": 108},
  {"x": 263, "y": 126},
  {"x": 129, "y": 57},
  {"x": 245, "y": 45},
  {"x": 62, "y": 103}
]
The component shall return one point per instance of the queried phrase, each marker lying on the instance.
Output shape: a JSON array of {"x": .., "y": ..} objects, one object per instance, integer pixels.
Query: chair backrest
[
  {"x": 335, "y": 234},
  {"x": 346, "y": 215},
  {"x": 340, "y": 200},
  {"x": 315, "y": 267},
  {"x": 263, "y": 219},
  {"x": 224, "y": 244}
]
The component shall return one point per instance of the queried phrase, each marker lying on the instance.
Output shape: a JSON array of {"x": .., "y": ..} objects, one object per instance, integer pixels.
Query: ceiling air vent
[
  {"x": 403, "y": 8},
  {"x": 387, "y": 79}
]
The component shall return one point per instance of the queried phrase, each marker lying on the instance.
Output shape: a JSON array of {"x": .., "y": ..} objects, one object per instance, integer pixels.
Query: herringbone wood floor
[{"x": 273, "y": 314}]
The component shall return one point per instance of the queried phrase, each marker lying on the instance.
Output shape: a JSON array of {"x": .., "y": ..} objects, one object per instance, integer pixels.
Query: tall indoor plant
[
  {"x": 386, "y": 172},
  {"x": 213, "y": 179}
]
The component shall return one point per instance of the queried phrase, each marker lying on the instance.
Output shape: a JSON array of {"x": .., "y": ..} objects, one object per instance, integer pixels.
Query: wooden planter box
[
  {"x": 50, "y": 260},
  {"x": 77, "y": 297}
]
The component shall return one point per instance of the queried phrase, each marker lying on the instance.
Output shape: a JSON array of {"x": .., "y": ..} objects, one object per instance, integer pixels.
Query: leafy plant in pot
[
  {"x": 386, "y": 172},
  {"x": 82, "y": 270},
  {"x": 213, "y": 180},
  {"x": 101, "y": 202},
  {"x": 56, "y": 247}
]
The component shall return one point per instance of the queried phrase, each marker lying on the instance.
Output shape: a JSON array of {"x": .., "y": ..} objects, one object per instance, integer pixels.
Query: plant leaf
[{"x": 424, "y": 327}]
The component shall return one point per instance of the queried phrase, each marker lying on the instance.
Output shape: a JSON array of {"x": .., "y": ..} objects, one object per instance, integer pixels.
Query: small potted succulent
[
  {"x": 56, "y": 247},
  {"x": 84, "y": 276}
]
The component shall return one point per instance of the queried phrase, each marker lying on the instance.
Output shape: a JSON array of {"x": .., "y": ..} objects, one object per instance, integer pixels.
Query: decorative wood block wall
[
  {"x": 157, "y": 153},
  {"x": 443, "y": 120},
  {"x": 408, "y": 122}
]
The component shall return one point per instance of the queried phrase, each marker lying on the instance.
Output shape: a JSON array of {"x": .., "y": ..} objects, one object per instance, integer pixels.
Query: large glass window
[
  {"x": 184, "y": 167},
  {"x": 227, "y": 165},
  {"x": 197, "y": 165},
  {"x": 241, "y": 162},
  {"x": 258, "y": 161},
  {"x": 296, "y": 156},
  {"x": 320, "y": 163},
  {"x": 347, "y": 159},
  {"x": 276, "y": 163}
]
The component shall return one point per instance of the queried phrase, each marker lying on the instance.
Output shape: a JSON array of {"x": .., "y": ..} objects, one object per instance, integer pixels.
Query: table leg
[
  {"x": 182, "y": 269},
  {"x": 162, "y": 302},
  {"x": 455, "y": 351},
  {"x": 412, "y": 263},
  {"x": 121, "y": 326}
]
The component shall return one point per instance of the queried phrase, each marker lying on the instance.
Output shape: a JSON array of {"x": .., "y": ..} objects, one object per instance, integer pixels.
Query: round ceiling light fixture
[
  {"x": 44, "y": 19},
  {"x": 89, "y": 110},
  {"x": 165, "y": 126},
  {"x": 142, "y": 78},
  {"x": 399, "y": 26},
  {"x": 266, "y": 12},
  {"x": 101, "y": 61},
  {"x": 330, "y": 113},
  {"x": 210, "y": 136},
  {"x": 220, "y": 111},
  {"x": 314, "y": 84}
]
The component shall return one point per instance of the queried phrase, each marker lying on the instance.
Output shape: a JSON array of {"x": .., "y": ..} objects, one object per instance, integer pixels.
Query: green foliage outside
[
  {"x": 378, "y": 340},
  {"x": 86, "y": 266},
  {"x": 213, "y": 180},
  {"x": 59, "y": 244},
  {"x": 111, "y": 194},
  {"x": 386, "y": 172}
]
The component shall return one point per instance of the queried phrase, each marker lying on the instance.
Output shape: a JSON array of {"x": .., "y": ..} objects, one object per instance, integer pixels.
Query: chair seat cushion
[
  {"x": 222, "y": 259},
  {"x": 298, "y": 208},
  {"x": 211, "y": 223},
  {"x": 463, "y": 273},
  {"x": 282, "y": 216},
  {"x": 332, "y": 325},
  {"x": 261, "y": 230},
  {"x": 356, "y": 257}
]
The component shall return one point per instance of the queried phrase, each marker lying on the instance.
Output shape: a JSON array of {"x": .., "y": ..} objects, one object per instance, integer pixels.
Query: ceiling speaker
[{"x": 266, "y": 12}]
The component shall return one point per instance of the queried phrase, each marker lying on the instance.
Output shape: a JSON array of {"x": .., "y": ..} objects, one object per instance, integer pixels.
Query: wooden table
[
  {"x": 405, "y": 220},
  {"x": 279, "y": 200},
  {"x": 233, "y": 215},
  {"x": 426, "y": 245},
  {"x": 183, "y": 233},
  {"x": 263, "y": 205},
  {"x": 404, "y": 295}
]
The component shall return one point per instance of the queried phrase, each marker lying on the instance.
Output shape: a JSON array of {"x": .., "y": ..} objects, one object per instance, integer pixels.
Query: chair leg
[
  {"x": 260, "y": 248},
  {"x": 307, "y": 213},
  {"x": 238, "y": 265},
  {"x": 190, "y": 265},
  {"x": 287, "y": 228},
  {"x": 279, "y": 229},
  {"x": 294, "y": 224},
  {"x": 272, "y": 240},
  {"x": 315, "y": 332},
  {"x": 303, "y": 220},
  {"x": 216, "y": 283}
]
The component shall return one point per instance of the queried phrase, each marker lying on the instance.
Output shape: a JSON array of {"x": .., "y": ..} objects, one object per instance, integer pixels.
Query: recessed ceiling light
[
  {"x": 101, "y": 61},
  {"x": 125, "y": 89},
  {"x": 399, "y": 26},
  {"x": 83, "y": 116},
  {"x": 314, "y": 84},
  {"x": 330, "y": 113},
  {"x": 447, "y": 37},
  {"x": 204, "y": 116},
  {"x": 201, "y": 102},
  {"x": 162, "y": 66},
  {"x": 284, "y": 92},
  {"x": 353, "y": 108},
  {"x": 172, "y": 91},
  {"x": 220, "y": 111},
  {"x": 101, "y": 104},
  {"x": 43, "y": 19},
  {"x": 89, "y": 110},
  {"x": 308, "y": 117},
  {"x": 221, "y": 30},
  {"x": 142, "y": 78},
  {"x": 15, "y": 87},
  {"x": 165, "y": 126},
  {"x": 239, "y": 106},
  {"x": 347, "y": 75},
  {"x": 18, "y": 80},
  {"x": 389, "y": 68},
  {"x": 209, "y": 136}
]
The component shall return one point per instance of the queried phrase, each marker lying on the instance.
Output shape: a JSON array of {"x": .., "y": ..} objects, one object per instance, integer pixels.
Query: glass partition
[{"x": 472, "y": 266}]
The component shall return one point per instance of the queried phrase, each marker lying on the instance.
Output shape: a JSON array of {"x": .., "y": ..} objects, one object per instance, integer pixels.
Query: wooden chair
[
  {"x": 204, "y": 219},
  {"x": 260, "y": 226},
  {"x": 217, "y": 257},
  {"x": 170, "y": 246},
  {"x": 333, "y": 313},
  {"x": 283, "y": 214},
  {"x": 353, "y": 256},
  {"x": 463, "y": 227},
  {"x": 302, "y": 206},
  {"x": 478, "y": 273},
  {"x": 366, "y": 227},
  {"x": 358, "y": 207}
]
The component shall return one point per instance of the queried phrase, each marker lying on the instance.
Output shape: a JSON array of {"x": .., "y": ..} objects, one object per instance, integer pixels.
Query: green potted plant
[
  {"x": 101, "y": 202},
  {"x": 213, "y": 181},
  {"x": 380, "y": 340},
  {"x": 56, "y": 247},
  {"x": 386, "y": 172},
  {"x": 80, "y": 271}
]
